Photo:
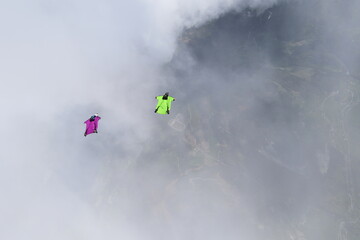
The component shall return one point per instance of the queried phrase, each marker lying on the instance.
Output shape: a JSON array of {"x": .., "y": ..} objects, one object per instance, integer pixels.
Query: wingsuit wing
[{"x": 96, "y": 122}]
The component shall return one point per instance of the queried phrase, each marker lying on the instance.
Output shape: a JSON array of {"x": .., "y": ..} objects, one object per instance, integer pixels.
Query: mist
[{"x": 260, "y": 142}]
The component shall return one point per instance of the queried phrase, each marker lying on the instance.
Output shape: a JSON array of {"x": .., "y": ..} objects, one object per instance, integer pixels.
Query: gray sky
[{"x": 266, "y": 109}]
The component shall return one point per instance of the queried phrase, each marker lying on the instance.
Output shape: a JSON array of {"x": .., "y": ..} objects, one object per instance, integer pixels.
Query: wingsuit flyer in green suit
[{"x": 164, "y": 104}]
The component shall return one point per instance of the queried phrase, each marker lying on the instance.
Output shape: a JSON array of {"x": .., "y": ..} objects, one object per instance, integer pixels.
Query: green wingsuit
[{"x": 164, "y": 104}]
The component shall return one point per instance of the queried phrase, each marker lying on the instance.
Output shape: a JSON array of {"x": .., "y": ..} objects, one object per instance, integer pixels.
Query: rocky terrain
[{"x": 262, "y": 139}]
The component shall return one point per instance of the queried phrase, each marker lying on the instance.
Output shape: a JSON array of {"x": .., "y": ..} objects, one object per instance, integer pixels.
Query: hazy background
[{"x": 261, "y": 142}]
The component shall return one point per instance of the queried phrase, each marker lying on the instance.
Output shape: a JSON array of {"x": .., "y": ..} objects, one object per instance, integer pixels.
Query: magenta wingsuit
[{"x": 91, "y": 125}]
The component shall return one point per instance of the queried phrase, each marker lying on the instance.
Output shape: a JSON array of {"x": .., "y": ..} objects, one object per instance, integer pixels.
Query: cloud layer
[{"x": 60, "y": 63}]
